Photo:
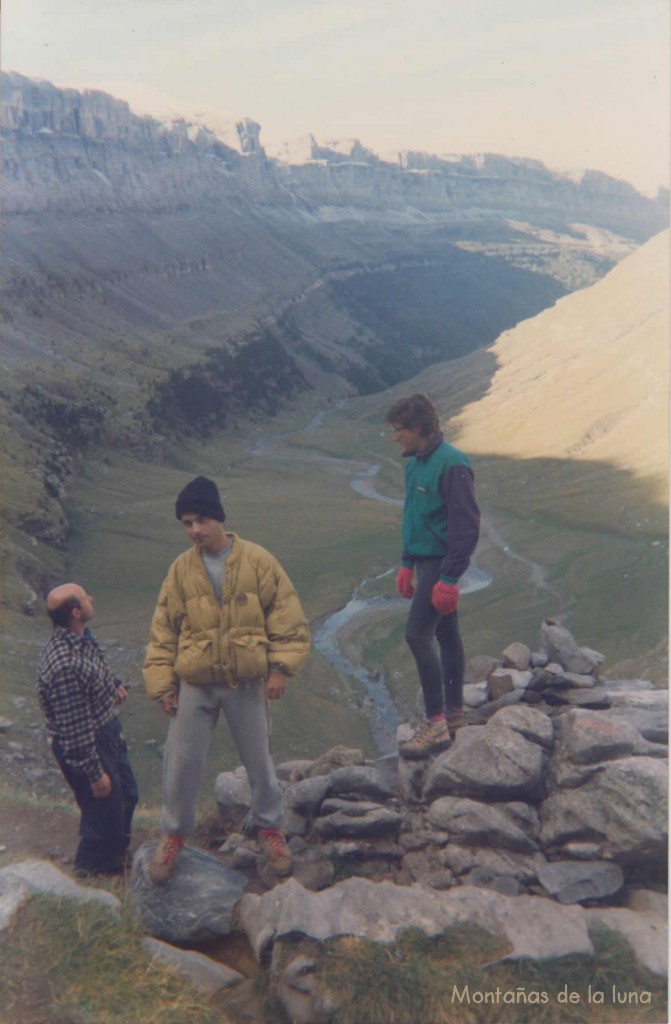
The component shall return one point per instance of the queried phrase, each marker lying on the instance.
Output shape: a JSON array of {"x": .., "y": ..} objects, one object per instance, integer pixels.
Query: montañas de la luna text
[{"x": 539, "y": 997}]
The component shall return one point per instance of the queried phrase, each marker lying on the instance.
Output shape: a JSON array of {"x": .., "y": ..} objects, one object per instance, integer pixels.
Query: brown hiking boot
[
  {"x": 163, "y": 864},
  {"x": 278, "y": 855},
  {"x": 455, "y": 720},
  {"x": 430, "y": 738}
]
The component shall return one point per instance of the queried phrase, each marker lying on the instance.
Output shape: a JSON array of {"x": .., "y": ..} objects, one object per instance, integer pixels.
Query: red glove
[
  {"x": 445, "y": 597},
  {"x": 404, "y": 583}
]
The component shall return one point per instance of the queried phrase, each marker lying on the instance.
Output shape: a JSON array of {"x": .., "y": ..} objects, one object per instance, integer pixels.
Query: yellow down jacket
[{"x": 193, "y": 638}]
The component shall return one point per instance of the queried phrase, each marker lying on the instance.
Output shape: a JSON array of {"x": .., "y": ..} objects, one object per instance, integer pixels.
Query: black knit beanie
[{"x": 200, "y": 497}]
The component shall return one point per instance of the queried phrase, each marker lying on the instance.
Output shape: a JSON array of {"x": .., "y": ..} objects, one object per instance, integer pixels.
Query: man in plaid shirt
[{"x": 79, "y": 697}]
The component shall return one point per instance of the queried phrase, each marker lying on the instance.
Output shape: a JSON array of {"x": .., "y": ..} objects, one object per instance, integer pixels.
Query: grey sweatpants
[{"x": 189, "y": 735}]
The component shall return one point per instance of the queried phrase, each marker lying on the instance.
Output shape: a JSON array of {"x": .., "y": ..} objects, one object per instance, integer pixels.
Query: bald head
[{"x": 70, "y": 606}]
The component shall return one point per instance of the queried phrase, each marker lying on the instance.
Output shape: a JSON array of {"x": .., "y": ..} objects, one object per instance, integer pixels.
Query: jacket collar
[
  {"x": 435, "y": 442},
  {"x": 72, "y": 638}
]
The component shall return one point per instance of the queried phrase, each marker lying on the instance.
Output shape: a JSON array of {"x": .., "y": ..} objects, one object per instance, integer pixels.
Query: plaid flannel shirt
[{"x": 77, "y": 693}]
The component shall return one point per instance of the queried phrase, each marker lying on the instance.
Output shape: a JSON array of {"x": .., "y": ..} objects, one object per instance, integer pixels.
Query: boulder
[
  {"x": 475, "y": 694},
  {"x": 499, "y": 683},
  {"x": 623, "y": 808},
  {"x": 233, "y": 796},
  {"x": 336, "y": 757},
  {"x": 488, "y": 763},
  {"x": 303, "y": 994},
  {"x": 646, "y": 933},
  {"x": 560, "y": 646},
  {"x": 363, "y": 782},
  {"x": 378, "y": 821},
  {"x": 479, "y": 668},
  {"x": 587, "y": 737},
  {"x": 305, "y": 797},
  {"x": 651, "y": 723},
  {"x": 379, "y": 911},
  {"x": 196, "y": 905},
  {"x": 512, "y": 826},
  {"x": 577, "y": 881},
  {"x": 21, "y": 880},
  {"x": 533, "y": 725},
  {"x": 464, "y": 861},
  {"x": 517, "y": 655},
  {"x": 201, "y": 971}
]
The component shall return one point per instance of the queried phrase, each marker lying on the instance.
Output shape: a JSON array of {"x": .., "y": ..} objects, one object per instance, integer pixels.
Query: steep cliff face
[
  {"x": 71, "y": 151},
  {"x": 148, "y": 263}
]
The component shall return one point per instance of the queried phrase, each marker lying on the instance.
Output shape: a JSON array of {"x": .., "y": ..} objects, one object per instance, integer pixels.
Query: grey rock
[
  {"x": 305, "y": 797},
  {"x": 538, "y": 660},
  {"x": 496, "y": 863},
  {"x": 647, "y": 901},
  {"x": 488, "y": 763},
  {"x": 512, "y": 826},
  {"x": 352, "y": 808},
  {"x": 577, "y": 881},
  {"x": 588, "y": 737},
  {"x": 201, "y": 971},
  {"x": 533, "y": 725},
  {"x": 645, "y": 700},
  {"x": 233, "y": 796},
  {"x": 646, "y": 933},
  {"x": 478, "y": 716},
  {"x": 380, "y": 822},
  {"x": 582, "y": 851},
  {"x": 594, "y": 698},
  {"x": 293, "y": 771},
  {"x": 425, "y": 866},
  {"x": 535, "y": 927},
  {"x": 362, "y": 782},
  {"x": 482, "y": 877},
  {"x": 303, "y": 993},
  {"x": 336, "y": 757},
  {"x": 475, "y": 694},
  {"x": 350, "y": 851},
  {"x": 295, "y": 824},
  {"x": 314, "y": 874},
  {"x": 628, "y": 684},
  {"x": 499, "y": 683},
  {"x": 411, "y": 779},
  {"x": 651, "y": 723},
  {"x": 623, "y": 808},
  {"x": 197, "y": 904},
  {"x": 23, "y": 879},
  {"x": 560, "y": 646},
  {"x": 479, "y": 668},
  {"x": 517, "y": 655},
  {"x": 5, "y": 724}
]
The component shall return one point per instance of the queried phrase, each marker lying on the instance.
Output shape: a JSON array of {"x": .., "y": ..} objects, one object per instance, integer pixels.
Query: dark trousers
[
  {"x": 435, "y": 642},
  {"x": 105, "y": 823}
]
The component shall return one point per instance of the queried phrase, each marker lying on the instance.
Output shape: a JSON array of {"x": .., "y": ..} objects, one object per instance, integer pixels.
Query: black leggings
[
  {"x": 441, "y": 678},
  {"x": 105, "y": 823}
]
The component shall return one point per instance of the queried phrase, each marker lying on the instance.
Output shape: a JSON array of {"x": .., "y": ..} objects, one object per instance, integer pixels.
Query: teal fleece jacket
[{"x": 440, "y": 514}]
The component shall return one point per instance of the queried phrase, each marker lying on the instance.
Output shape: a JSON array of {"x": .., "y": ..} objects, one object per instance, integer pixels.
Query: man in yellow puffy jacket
[{"x": 227, "y": 631}]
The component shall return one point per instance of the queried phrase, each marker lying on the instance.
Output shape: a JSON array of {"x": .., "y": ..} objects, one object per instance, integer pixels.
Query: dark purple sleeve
[{"x": 457, "y": 487}]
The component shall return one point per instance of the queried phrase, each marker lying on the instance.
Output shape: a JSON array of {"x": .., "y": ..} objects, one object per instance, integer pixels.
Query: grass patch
[
  {"x": 68, "y": 962},
  {"x": 459, "y": 978}
]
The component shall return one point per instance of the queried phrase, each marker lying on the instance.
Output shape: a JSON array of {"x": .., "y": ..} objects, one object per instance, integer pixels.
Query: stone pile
[{"x": 547, "y": 814}]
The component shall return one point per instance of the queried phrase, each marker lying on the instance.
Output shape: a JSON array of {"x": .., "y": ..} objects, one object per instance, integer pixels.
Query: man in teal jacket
[{"x": 441, "y": 525}]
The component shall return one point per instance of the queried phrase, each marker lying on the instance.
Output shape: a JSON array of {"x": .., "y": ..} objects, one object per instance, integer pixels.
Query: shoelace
[
  {"x": 172, "y": 847},
  {"x": 275, "y": 841}
]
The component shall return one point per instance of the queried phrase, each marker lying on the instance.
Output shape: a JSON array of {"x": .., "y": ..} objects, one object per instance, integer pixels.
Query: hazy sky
[{"x": 575, "y": 83}]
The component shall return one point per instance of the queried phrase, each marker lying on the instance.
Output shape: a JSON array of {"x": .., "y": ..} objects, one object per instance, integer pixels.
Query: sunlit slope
[{"x": 587, "y": 379}]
